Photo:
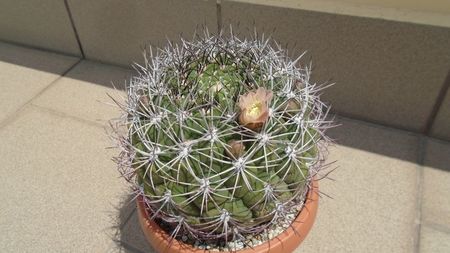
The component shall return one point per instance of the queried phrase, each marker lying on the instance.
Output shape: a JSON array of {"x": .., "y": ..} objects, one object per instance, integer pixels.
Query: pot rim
[{"x": 286, "y": 241}]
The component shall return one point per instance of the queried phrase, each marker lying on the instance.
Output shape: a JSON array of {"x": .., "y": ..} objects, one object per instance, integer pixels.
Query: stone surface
[
  {"x": 387, "y": 72},
  {"x": 373, "y": 194},
  {"x": 436, "y": 187},
  {"x": 131, "y": 236},
  {"x": 60, "y": 189},
  {"x": 43, "y": 24},
  {"x": 26, "y": 72},
  {"x": 61, "y": 193},
  {"x": 441, "y": 124},
  {"x": 434, "y": 241},
  {"x": 434, "y": 6},
  {"x": 125, "y": 27},
  {"x": 412, "y": 11},
  {"x": 83, "y": 92}
]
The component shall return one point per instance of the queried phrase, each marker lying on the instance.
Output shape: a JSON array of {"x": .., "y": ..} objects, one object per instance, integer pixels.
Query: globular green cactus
[{"x": 224, "y": 136}]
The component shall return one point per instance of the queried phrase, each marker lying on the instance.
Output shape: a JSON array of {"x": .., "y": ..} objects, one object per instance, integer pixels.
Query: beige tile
[
  {"x": 119, "y": 34},
  {"x": 434, "y": 241},
  {"x": 441, "y": 124},
  {"x": 373, "y": 203},
  {"x": 436, "y": 188},
  {"x": 24, "y": 73},
  {"x": 83, "y": 92},
  {"x": 388, "y": 72},
  {"x": 345, "y": 231},
  {"x": 60, "y": 189},
  {"x": 43, "y": 24},
  {"x": 374, "y": 195}
]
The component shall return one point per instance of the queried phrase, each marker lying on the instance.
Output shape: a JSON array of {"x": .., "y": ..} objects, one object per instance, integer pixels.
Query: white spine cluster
[{"x": 178, "y": 131}]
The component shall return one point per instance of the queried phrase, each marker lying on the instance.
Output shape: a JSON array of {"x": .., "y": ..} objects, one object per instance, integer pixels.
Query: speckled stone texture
[
  {"x": 42, "y": 24},
  {"x": 24, "y": 73},
  {"x": 88, "y": 84},
  {"x": 387, "y": 72},
  {"x": 60, "y": 191},
  {"x": 441, "y": 124},
  {"x": 436, "y": 188},
  {"x": 125, "y": 27}
]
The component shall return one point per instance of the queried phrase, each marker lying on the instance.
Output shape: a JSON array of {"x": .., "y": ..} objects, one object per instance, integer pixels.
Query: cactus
[{"x": 224, "y": 136}]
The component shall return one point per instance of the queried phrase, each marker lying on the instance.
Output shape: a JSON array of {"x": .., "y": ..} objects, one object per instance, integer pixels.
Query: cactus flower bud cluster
[{"x": 224, "y": 137}]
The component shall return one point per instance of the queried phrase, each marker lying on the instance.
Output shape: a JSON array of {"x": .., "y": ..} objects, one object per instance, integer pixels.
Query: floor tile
[
  {"x": 61, "y": 193},
  {"x": 436, "y": 189},
  {"x": 373, "y": 203},
  {"x": 24, "y": 73},
  {"x": 83, "y": 92},
  {"x": 60, "y": 189},
  {"x": 434, "y": 241}
]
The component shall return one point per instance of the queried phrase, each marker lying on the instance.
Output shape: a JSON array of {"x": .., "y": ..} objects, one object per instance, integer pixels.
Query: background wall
[
  {"x": 442, "y": 6},
  {"x": 116, "y": 31},
  {"x": 43, "y": 24},
  {"x": 390, "y": 61}
]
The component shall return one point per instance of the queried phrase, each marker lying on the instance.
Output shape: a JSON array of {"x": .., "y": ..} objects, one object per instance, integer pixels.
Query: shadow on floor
[
  {"x": 352, "y": 133},
  {"x": 391, "y": 142},
  {"x": 127, "y": 234},
  {"x": 88, "y": 71}
]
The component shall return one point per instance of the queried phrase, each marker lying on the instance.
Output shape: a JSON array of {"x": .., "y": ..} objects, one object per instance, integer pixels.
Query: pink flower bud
[
  {"x": 144, "y": 102},
  {"x": 292, "y": 107},
  {"x": 236, "y": 149}
]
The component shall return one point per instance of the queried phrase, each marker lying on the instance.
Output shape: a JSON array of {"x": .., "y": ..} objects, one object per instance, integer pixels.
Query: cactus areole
[{"x": 224, "y": 137}]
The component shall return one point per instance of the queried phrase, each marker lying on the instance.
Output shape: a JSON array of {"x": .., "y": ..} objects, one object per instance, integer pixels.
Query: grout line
[
  {"x": 17, "y": 44},
  {"x": 365, "y": 121},
  {"x": 438, "y": 104},
  {"x": 219, "y": 16},
  {"x": 376, "y": 125},
  {"x": 441, "y": 141},
  {"x": 436, "y": 226},
  {"x": 46, "y": 50},
  {"x": 375, "y": 122},
  {"x": 77, "y": 37},
  {"x": 114, "y": 64},
  {"x": 422, "y": 144},
  {"x": 17, "y": 113},
  {"x": 65, "y": 115},
  {"x": 383, "y": 126}
]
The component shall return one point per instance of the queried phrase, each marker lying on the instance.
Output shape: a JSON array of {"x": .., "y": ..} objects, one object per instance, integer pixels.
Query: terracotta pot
[{"x": 286, "y": 242}]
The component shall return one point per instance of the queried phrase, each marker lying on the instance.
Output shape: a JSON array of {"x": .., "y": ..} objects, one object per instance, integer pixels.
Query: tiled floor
[{"x": 60, "y": 192}]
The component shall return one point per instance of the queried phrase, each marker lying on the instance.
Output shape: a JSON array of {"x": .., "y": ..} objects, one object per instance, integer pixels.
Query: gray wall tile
[
  {"x": 42, "y": 24},
  {"x": 116, "y": 31},
  {"x": 387, "y": 72},
  {"x": 441, "y": 124}
]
